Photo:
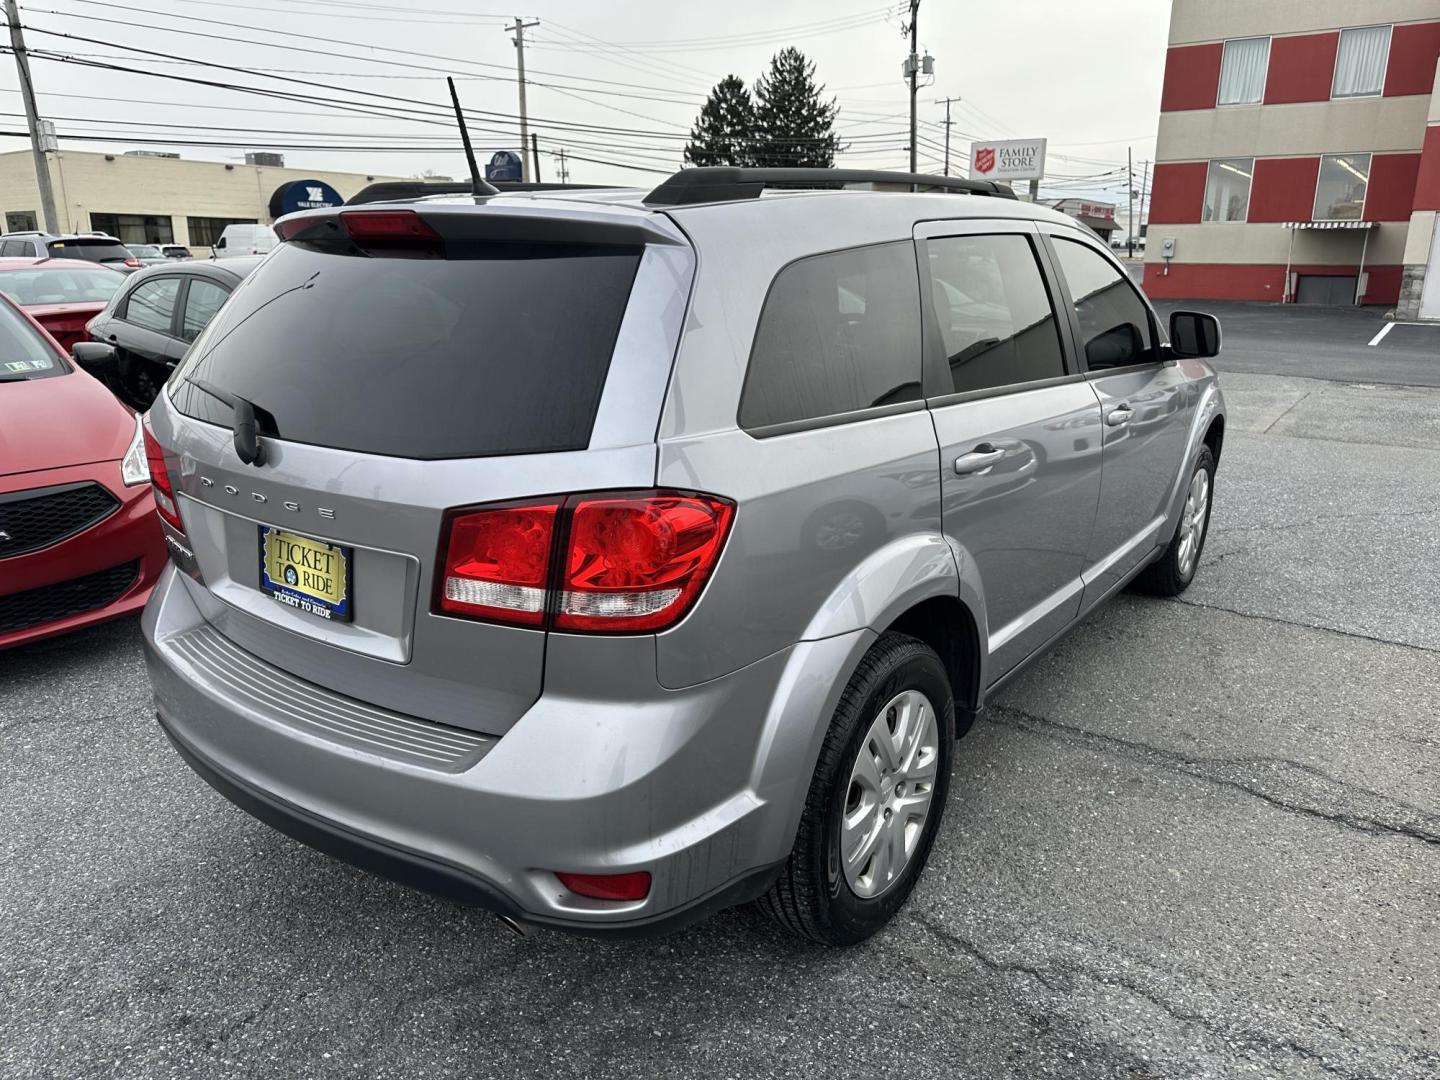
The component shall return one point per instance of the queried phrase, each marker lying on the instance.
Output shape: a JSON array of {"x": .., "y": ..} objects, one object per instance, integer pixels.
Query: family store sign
[{"x": 1018, "y": 159}]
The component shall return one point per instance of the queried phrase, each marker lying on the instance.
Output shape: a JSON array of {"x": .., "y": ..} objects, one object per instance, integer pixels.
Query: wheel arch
[{"x": 949, "y": 627}]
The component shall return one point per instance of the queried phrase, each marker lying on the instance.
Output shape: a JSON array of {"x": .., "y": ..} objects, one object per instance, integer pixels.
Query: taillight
[
  {"x": 160, "y": 483},
  {"x": 392, "y": 232},
  {"x": 132, "y": 261},
  {"x": 606, "y": 563},
  {"x": 497, "y": 561}
]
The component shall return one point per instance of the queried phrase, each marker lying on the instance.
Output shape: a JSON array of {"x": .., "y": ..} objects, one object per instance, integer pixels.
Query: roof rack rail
[
  {"x": 690, "y": 187},
  {"x": 391, "y": 190}
]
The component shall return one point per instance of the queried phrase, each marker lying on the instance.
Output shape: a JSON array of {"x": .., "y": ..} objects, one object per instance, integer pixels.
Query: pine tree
[
  {"x": 793, "y": 126},
  {"x": 725, "y": 130}
]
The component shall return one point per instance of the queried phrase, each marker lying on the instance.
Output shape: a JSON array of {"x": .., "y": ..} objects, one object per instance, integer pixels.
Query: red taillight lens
[
  {"x": 497, "y": 561},
  {"x": 132, "y": 261},
  {"x": 628, "y": 562},
  {"x": 636, "y": 562},
  {"x": 632, "y": 886},
  {"x": 160, "y": 482}
]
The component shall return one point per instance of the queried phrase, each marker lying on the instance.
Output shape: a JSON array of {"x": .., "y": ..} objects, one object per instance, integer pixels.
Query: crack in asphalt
[
  {"x": 1302, "y": 625},
  {"x": 1293, "y": 406},
  {"x": 1070, "y": 971},
  {"x": 1383, "y": 815}
]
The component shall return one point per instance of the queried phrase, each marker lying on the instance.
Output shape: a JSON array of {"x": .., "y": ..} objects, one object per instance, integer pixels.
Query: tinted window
[
  {"x": 996, "y": 320},
  {"x": 201, "y": 305},
  {"x": 496, "y": 349},
  {"x": 152, "y": 304},
  {"x": 838, "y": 333},
  {"x": 60, "y": 284},
  {"x": 1114, "y": 321},
  {"x": 93, "y": 250},
  {"x": 16, "y": 249},
  {"x": 24, "y": 353}
]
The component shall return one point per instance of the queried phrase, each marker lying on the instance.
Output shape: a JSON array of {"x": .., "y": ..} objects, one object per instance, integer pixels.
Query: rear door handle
[
  {"x": 981, "y": 458},
  {"x": 1119, "y": 415}
]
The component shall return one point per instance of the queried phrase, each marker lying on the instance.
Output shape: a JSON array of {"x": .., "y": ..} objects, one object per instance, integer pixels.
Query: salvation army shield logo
[{"x": 985, "y": 160}]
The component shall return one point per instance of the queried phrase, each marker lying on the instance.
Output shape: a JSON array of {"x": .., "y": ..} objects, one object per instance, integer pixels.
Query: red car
[
  {"x": 62, "y": 294},
  {"x": 79, "y": 538}
]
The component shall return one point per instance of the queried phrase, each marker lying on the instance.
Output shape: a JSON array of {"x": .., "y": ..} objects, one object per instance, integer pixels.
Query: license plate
[{"x": 308, "y": 575}]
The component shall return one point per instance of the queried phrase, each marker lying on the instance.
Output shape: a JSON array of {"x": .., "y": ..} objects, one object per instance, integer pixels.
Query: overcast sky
[{"x": 618, "y": 83}]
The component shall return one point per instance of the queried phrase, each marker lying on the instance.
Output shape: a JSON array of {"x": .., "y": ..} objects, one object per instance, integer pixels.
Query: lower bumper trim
[{"x": 435, "y": 876}]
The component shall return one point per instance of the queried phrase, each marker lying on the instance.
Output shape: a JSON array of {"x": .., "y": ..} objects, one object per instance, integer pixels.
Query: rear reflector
[
  {"x": 607, "y": 563},
  {"x": 160, "y": 482},
  {"x": 632, "y": 886}
]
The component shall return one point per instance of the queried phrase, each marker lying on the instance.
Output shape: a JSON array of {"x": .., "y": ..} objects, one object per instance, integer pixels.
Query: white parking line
[{"x": 1381, "y": 335}]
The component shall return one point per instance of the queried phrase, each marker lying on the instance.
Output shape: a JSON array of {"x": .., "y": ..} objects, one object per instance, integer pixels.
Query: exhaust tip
[{"x": 520, "y": 929}]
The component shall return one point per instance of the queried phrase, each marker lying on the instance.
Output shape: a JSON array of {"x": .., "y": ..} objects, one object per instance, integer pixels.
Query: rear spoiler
[{"x": 395, "y": 190}]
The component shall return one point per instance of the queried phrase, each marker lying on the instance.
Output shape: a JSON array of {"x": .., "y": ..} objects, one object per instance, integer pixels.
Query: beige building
[
  {"x": 1298, "y": 155},
  {"x": 149, "y": 199}
]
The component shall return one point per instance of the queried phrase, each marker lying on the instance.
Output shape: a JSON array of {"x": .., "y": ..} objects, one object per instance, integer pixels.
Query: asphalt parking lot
[{"x": 1200, "y": 839}]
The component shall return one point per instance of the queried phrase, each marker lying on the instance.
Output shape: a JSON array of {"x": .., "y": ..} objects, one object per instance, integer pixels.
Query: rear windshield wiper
[{"x": 245, "y": 422}]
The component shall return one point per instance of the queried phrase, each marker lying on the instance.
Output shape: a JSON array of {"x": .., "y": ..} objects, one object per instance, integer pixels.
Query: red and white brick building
[{"x": 1298, "y": 155}]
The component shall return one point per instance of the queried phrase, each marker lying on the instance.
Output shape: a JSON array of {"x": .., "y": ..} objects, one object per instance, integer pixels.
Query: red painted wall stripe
[
  {"x": 1427, "y": 182},
  {"x": 1179, "y": 193},
  {"x": 1192, "y": 77},
  {"x": 1302, "y": 68},
  {"x": 1414, "y": 50},
  {"x": 1391, "y": 193},
  {"x": 1266, "y": 281},
  {"x": 1283, "y": 189}
]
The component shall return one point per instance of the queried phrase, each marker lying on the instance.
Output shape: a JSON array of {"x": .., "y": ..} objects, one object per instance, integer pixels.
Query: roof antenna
[{"x": 478, "y": 186}]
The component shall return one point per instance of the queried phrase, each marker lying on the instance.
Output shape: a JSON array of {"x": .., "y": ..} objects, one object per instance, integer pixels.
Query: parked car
[
  {"x": 244, "y": 240},
  {"x": 176, "y": 251},
  {"x": 149, "y": 254},
  {"x": 155, "y": 317},
  {"x": 79, "y": 540},
  {"x": 609, "y": 558},
  {"x": 62, "y": 294},
  {"x": 93, "y": 247}
]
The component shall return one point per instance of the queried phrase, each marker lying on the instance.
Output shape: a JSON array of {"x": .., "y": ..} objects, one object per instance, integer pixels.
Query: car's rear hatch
[
  {"x": 66, "y": 322},
  {"x": 521, "y": 352}
]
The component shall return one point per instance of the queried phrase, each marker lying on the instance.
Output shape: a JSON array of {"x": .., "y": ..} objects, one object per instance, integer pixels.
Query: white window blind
[
  {"x": 1360, "y": 65},
  {"x": 1227, "y": 189},
  {"x": 1243, "y": 69}
]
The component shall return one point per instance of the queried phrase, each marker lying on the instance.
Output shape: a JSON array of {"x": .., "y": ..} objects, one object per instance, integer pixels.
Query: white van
[{"x": 244, "y": 240}]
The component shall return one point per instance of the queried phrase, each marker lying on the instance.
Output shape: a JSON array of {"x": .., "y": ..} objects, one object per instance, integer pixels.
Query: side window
[
  {"x": 201, "y": 304},
  {"x": 152, "y": 304},
  {"x": 839, "y": 332},
  {"x": 13, "y": 249},
  {"x": 1114, "y": 321},
  {"x": 996, "y": 320}
]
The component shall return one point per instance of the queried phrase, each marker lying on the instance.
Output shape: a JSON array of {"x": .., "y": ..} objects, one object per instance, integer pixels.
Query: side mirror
[
  {"x": 95, "y": 357},
  {"x": 1194, "y": 335}
]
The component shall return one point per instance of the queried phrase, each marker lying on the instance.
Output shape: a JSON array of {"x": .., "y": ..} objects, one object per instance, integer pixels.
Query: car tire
[
  {"x": 1172, "y": 573},
  {"x": 816, "y": 896}
]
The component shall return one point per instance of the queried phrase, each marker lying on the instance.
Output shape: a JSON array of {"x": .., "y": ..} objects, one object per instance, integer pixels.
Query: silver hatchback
[{"x": 608, "y": 557}]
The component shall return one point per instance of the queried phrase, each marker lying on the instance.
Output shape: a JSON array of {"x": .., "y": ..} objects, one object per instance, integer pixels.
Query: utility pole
[
  {"x": 914, "y": 65},
  {"x": 32, "y": 119},
  {"x": 1130, "y": 221},
  {"x": 519, "y": 29},
  {"x": 535, "y": 154},
  {"x": 564, "y": 172},
  {"x": 946, "y": 102},
  {"x": 1144, "y": 190}
]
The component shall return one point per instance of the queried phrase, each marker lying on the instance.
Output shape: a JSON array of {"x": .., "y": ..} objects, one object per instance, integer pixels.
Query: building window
[
  {"x": 1242, "y": 71},
  {"x": 20, "y": 221},
  {"x": 134, "y": 228},
  {"x": 1340, "y": 193},
  {"x": 1360, "y": 64},
  {"x": 1227, "y": 189},
  {"x": 204, "y": 231}
]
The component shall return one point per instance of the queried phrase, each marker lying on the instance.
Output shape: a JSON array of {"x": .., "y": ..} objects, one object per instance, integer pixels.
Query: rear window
[
  {"x": 24, "y": 352},
  {"x": 61, "y": 285},
  {"x": 91, "y": 250},
  {"x": 498, "y": 349}
]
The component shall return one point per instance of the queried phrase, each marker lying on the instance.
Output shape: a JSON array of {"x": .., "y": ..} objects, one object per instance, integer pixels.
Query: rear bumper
[
  {"x": 694, "y": 786},
  {"x": 131, "y": 534}
]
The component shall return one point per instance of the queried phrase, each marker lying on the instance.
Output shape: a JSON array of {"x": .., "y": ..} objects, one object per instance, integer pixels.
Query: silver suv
[{"x": 608, "y": 557}]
